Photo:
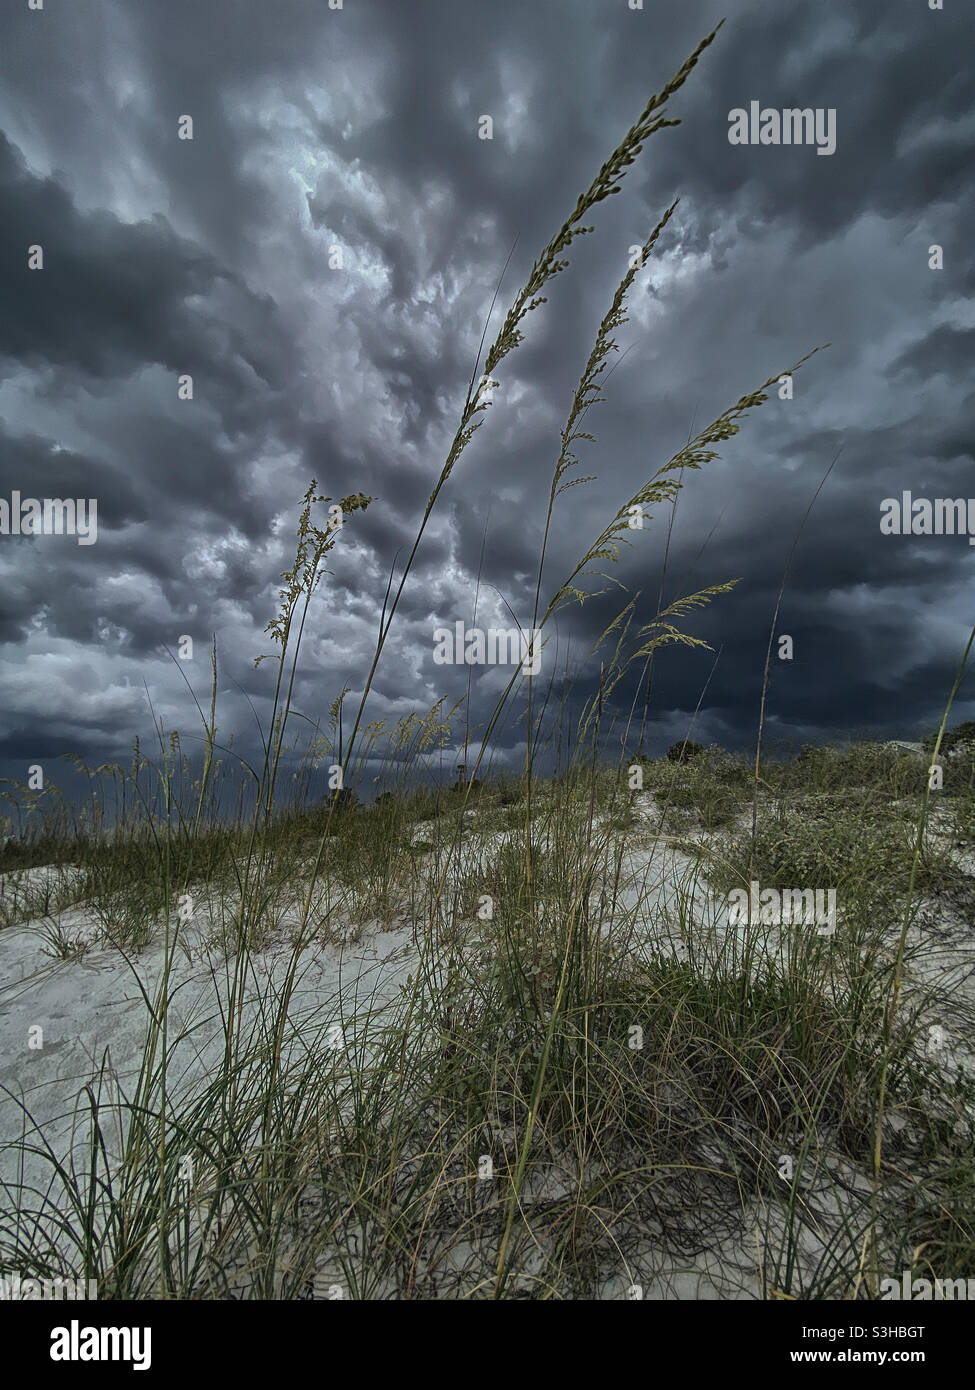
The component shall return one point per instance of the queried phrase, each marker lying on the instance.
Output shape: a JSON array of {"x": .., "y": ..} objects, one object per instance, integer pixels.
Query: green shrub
[{"x": 684, "y": 750}]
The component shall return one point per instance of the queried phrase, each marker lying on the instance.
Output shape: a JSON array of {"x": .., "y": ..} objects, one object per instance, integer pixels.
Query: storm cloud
[{"x": 321, "y": 259}]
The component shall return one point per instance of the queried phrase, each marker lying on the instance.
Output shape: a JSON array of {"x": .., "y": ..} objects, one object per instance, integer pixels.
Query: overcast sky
[{"x": 358, "y": 128}]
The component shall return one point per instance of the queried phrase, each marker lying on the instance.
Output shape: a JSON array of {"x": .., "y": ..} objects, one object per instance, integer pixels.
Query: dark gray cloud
[{"x": 319, "y": 131}]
